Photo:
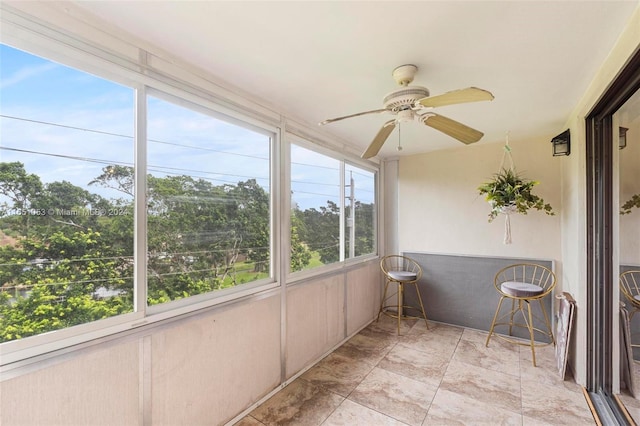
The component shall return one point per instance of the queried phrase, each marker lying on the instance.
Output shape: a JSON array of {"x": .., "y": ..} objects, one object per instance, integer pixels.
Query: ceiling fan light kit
[{"x": 411, "y": 103}]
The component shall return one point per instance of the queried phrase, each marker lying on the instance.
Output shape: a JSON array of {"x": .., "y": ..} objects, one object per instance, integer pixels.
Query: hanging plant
[
  {"x": 634, "y": 201},
  {"x": 508, "y": 192}
]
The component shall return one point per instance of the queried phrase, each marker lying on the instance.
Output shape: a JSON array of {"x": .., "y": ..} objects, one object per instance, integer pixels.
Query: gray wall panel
[{"x": 459, "y": 290}]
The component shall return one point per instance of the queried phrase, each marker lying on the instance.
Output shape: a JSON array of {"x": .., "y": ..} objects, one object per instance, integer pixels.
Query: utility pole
[{"x": 351, "y": 220}]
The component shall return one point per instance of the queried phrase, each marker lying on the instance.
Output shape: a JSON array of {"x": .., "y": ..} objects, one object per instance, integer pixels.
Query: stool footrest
[
  {"x": 523, "y": 341},
  {"x": 393, "y": 313}
]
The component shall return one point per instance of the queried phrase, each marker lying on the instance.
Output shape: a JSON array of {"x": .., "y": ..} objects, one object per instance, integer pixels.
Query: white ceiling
[{"x": 318, "y": 60}]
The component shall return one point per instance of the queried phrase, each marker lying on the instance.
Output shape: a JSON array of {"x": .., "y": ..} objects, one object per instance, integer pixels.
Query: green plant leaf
[
  {"x": 508, "y": 188},
  {"x": 634, "y": 201}
]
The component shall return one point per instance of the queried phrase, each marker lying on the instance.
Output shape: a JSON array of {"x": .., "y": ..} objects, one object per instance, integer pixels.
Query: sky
[{"x": 65, "y": 124}]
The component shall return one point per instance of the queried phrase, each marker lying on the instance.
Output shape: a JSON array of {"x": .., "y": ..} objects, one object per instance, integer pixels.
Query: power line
[
  {"x": 163, "y": 169},
  {"x": 315, "y": 183},
  {"x": 168, "y": 170},
  {"x": 101, "y": 132},
  {"x": 69, "y": 157},
  {"x": 315, "y": 193},
  {"x": 96, "y": 280},
  {"x": 316, "y": 166}
]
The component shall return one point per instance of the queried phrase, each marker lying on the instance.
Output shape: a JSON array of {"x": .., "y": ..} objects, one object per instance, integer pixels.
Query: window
[
  {"x": 360, "y": 224},
  {"x": 208, "y": 203},
  {"x": 317, "y": 198},
  {"x": 67, "y": 200},
  {"x": 315, "y": 209},
  {"x": 66, "y": 223}
]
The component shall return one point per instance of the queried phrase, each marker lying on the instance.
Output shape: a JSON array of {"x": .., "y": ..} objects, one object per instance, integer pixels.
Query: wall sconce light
[
  {"x": 622, "y": 137},
  {"x": 562, "y": 144}
]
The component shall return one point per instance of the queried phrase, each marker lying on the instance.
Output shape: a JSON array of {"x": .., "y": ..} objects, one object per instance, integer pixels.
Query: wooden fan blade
[
  {"x": 462, "y": 96},
  {"x": 331, "y": 120},
  {"x": 380, "y": 139},
  {"x": 464, "y": 134}
]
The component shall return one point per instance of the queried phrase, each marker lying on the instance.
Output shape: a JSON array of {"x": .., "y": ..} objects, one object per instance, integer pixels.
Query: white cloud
[{"x": 25, "y": 73}]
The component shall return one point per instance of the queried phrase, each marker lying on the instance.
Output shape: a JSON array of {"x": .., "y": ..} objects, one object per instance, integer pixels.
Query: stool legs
[
  {"x": 384, "y": 297},
  {"x": 546, "y": 319},
  {"x": 424, "y": 314},
  {"x": 493, "y": 323},
  {"x": 532, "y": 341},
  {"x": 400, "y": 304},
  {"x": 528, "y": 323},
  {"x": 631, "y": 314},
  {"x": 400, "y": 301}
]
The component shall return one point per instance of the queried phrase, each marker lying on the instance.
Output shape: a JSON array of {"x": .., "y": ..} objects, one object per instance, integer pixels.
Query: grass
[
  {"x": 247, "y": 275},
  {"x": 315, "y": 260}
]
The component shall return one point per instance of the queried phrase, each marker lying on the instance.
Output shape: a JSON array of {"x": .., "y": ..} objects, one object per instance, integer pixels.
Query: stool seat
[
  {"x": 520, "y": 289},
  {"x": 403, "y": 275}
]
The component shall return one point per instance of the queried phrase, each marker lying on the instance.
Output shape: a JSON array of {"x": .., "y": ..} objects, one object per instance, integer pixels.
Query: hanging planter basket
[
  {"x": 509, "y": 209},
  {"x": 509, "y": 193}
]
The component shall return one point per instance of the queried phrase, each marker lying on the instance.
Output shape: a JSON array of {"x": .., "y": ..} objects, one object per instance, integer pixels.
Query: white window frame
[
  {"x": 181, "y": 306},
  {"x": 376, "y": 177},
  {"x": 298, "y": 276},
  {"x": 47, "y": 43}
]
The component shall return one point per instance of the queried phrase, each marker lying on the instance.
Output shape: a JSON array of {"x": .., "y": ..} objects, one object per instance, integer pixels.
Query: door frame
[{"x": 599, "y": 215}]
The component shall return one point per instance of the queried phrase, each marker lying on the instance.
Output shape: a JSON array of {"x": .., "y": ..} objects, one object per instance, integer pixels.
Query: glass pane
[
  {"x": 626, "y": 138},
  {"x": 360, "y": 226},
  {"x": 208, "y": 203},
  {"x": 315, "y": 209},
  {"x": 66, "y": 219}
]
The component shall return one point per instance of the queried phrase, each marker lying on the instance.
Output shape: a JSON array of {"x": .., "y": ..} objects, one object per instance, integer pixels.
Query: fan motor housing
[{"x": 405, "y": 97}]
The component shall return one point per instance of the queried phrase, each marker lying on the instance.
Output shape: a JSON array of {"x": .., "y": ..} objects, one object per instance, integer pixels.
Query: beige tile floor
[
  {"x": 441, "y": 376},
  {"x": 633, "y": 404}
]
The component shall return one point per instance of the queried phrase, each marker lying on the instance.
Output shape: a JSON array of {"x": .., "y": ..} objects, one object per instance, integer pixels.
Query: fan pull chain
[{"x": 399, "y": 148}]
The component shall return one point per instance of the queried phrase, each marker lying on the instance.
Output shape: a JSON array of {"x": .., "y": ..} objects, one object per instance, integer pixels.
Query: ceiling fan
[{"x": 413, "y": 102}]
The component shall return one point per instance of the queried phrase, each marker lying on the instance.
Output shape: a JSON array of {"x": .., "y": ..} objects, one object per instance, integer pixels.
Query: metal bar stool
[
  {"x": 523, "y": 284},
  {"x": 402, "y": 271},
  {"x": 630, "y": 288}
]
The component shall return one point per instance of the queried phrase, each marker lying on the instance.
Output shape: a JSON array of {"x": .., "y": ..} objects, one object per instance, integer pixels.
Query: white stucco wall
[{"x": 440, "y": 210}]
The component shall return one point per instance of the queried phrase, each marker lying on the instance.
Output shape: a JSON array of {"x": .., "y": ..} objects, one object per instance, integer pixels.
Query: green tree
[
  {"x": 67, "y": 267},
  {"x": 20, "y": 188},
  {"x": 57, "y": 282},
  {"x": 365, "y": 228},
  {"x": 74, "y": 266},
  {"x": 322, "y": 231},
  {"x": 300, "y": 253},
  {"x": 120, "y": 178},
  {"x": 250, "y": 218}
]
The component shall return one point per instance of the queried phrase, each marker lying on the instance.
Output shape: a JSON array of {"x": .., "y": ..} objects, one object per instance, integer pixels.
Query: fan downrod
[{"x": 404, "y": 74}]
